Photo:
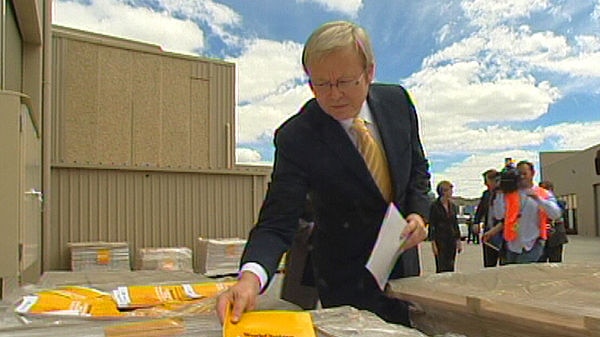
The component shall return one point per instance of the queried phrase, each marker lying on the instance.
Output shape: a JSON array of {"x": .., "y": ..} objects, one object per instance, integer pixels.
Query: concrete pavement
[{"x": 580, "y": 249}]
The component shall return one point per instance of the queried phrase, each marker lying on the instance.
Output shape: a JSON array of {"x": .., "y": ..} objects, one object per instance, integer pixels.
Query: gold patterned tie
[{"x": 374, "y": 157}]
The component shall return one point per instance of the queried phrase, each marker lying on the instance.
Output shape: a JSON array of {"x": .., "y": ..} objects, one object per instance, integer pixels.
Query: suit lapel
[
  {"x": 336, "y": 138},
  {"x": 384, "y": 118}
]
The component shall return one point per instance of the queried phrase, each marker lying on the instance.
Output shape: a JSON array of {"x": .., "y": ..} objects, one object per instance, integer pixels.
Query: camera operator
[{"x": 524, "y": 209}]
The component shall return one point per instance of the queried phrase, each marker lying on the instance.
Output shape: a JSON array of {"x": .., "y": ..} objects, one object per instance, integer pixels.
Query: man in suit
[{"x": 316, "y": 153}]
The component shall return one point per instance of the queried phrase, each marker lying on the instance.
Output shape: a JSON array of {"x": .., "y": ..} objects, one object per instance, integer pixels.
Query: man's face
[
  {"x": 340, "y": 83},
  {"x": 526, "y": 174},
  {"x": 491, "y": 183}
]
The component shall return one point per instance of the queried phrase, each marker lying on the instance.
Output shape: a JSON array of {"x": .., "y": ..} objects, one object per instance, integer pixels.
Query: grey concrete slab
[{"x": 580, "y": 249}]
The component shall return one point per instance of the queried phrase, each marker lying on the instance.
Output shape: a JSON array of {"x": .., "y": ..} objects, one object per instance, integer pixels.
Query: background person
[
  {"x": 555, "y": 230},
  {"x": 472, "y": 232},
  {"x": 319, "y": 151},
  {"x": 492, "y": 252},
  {"x": 443, "y": 229}
]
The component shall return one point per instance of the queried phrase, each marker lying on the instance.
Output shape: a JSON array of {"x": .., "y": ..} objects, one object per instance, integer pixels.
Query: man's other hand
[{"x": 415, "y": 231}]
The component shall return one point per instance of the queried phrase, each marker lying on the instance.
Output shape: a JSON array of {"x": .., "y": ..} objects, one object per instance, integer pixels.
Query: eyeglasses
[{"x": 342, "y": 85}]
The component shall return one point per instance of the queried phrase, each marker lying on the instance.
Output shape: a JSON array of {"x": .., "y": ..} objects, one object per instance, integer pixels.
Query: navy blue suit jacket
[{"x": 314, "y": 155}]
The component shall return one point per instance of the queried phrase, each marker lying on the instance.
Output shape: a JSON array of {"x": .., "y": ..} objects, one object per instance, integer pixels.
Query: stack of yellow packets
[{"x": 71, "y": 301}]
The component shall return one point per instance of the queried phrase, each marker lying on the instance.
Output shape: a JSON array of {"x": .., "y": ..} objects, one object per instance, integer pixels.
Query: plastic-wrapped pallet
[
  {"x": 347, "y": 321},
  {"x": 219, "y": 256},
  {"x": 533, "y": 300},
  {"x": 179, "y": 258},
  {"x": 99, "y": 256}
]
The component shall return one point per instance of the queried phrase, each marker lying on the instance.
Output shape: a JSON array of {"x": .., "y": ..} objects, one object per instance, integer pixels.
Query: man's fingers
[
  {"x": 238, "y": 310},
  {"x": 223, "y": 301},
  {"x": 415, "y": 231},
  {"x": 241, "y": 302}
]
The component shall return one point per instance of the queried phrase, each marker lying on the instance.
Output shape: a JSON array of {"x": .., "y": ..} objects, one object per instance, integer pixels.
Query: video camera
[{"x": 509, "y": 177}]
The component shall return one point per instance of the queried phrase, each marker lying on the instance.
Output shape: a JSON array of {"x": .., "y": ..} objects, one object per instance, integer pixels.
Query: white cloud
[
  {"x": 585, "y": 65},
  {"x": 217, "y": 16},
  {"x": 456, "y": 92},
  {"x": 349, "y": 7},
  {"x": 117, "y": 19},
  {"x": 245, "y": 155},
  {"x": 445, "y": 139},
  {"x": 596, "y": 13},
  {"x": 267, "y": 67},
  {"x": 271, "y": 87},
  {"x": 588, "y": 43},
  {"x": 460, "y": 113},
  {"x": 490, "y": 13},
  {"x": 574, "y": 136},
  {"x": 260, "y": 119}
]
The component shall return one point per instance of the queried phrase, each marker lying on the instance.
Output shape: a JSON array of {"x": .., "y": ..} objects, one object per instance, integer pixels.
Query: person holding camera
[{"x": 524, "y": 210}]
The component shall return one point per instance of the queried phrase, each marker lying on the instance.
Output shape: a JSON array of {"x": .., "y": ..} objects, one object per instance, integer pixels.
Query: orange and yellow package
[
  {"x": 153, "y": 295},
  {"x": 270, "y": 323},
  {"x": 73, "y": 301}
]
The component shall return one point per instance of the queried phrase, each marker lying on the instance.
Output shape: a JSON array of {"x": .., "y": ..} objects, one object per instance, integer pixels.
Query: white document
[{"x": 388, "y": 246}]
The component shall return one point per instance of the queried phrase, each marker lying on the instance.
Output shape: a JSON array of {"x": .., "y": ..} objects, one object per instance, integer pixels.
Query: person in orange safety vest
[{"x": 524, "y": 214}]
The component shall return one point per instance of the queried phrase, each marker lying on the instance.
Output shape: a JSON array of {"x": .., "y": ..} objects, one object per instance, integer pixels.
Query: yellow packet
[
  {"x": 72, "y": 301},
  {"x": 143, "y": 296},
  {"x": 270, "y": 323}
]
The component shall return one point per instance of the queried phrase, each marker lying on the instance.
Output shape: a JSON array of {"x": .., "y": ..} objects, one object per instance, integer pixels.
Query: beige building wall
[
  {"x": 575, "y": 180},
  {"x": 143, "y": 148},
  {"x": 121, "y": 103}
]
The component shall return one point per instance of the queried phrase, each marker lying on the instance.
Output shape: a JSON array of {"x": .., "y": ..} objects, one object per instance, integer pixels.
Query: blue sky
[{"x": 491, "y": 79}]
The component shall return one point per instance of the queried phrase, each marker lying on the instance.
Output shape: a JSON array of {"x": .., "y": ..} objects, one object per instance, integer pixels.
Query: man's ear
[{"x": 371, "y": 72}]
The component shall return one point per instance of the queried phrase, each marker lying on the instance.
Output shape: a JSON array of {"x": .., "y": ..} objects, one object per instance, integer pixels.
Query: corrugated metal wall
[
  {"x": 148, "y": 209},
  {"x": 143, "y": 148}
]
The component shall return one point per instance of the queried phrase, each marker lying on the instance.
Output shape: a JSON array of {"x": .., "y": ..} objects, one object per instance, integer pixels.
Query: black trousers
[
  {"x": 492, "y": 257},
  {"x": 552, "y": 254},
  {"x": 446, "y": 257},
  {"x": 364, "y": 294}
]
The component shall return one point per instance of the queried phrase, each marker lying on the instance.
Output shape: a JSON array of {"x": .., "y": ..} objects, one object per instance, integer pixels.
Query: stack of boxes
[
  {"x": 214, "y": 257},
  {"x": 164, "y": 259},
  {"x": 99, "y": 256},
  {"x": 217, "y": 257}
]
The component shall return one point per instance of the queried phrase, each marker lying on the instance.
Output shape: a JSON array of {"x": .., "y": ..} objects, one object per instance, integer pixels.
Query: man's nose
[{"x": 334, "y": 91}]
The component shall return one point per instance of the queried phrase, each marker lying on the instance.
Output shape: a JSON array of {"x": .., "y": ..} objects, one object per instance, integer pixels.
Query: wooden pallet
[{"x": 536, "y": 300}]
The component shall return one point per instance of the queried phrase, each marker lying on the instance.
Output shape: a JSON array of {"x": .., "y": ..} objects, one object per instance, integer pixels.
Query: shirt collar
[{"x": 364, "y": 113}]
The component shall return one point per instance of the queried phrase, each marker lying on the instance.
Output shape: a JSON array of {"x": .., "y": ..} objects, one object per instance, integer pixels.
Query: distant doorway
[{"x": 597, "y": 207}]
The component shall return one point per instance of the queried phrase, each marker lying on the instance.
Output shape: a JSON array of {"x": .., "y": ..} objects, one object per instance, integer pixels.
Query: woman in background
[{"x": 444, "y": 232}]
